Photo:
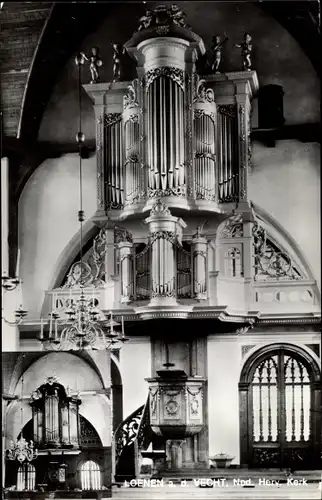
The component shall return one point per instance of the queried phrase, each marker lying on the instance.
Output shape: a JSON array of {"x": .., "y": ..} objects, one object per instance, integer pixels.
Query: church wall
[
  {"x": 224, "y": 358},
  {"x": 135, "y": 365},
  {"x": 285, "y": 182},
  {"x": 224, "y": 376},
  {"x": 48, "y": 220}
]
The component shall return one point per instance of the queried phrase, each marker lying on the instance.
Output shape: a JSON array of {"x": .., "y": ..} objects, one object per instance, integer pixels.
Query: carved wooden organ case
[
  {"x": 169, "y": 133},
  {"x": 55, "y": 417},
  {"x": 168, "y": 141}
]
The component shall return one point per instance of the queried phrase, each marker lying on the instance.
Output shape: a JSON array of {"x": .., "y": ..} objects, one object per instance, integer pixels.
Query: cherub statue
[
  {"x": 246, "y": 51},
  {"x": 218, "y": 44},
  {"x": 145, "y": 21},
  {"x": 94, "y": 63},
  {"x": 118, "y": 52},
  {"x": 178, "y": 17}
]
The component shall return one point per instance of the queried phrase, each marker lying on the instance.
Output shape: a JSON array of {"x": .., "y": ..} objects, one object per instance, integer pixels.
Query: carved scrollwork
[
  {"x": 92, "y": 272},
  {"x": 176, "y": 74},
  {"x": 233, "y": 227},
  {"x": 199, "y": 113},
  {"x": 228, "y": 110},
  {"x": 130, "y": 97},
  {"x": 112, "y": 205},
  {"x": 121, "y": 235},
  {"x": 112, "y": 118},
  {"x": 165, "y": 235},
  {"x": 270, "y": 261},
  {"x": 159, "y": 193},
  {"x": 201, "y": 93},
  {"x": 127, "y": 432}
]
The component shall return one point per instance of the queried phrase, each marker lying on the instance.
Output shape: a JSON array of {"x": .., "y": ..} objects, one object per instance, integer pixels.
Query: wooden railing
[{"x": 132, "y": 436}]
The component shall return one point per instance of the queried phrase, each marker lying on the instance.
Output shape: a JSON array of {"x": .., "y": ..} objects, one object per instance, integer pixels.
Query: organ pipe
[
  {"x": 132, "y": 160},
  {"x": 199, "y": 255},
  {"x": 165, "y": 137},
  {"x": 114, "y": 161},
  {"x": 227, "y": 157},
  {"x": 164, "y": 233},
  {"x": 126, "y": 263},
  {"x": 205, "y": 177}
]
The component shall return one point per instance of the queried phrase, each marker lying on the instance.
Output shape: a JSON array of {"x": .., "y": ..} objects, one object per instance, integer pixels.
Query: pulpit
[{"x": 176, "y": 410}]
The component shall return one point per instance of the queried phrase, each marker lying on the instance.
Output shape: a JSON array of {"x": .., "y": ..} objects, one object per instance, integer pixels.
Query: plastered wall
[
  {"x": 48, "y": 220},
  {"x": 135, "y": 365}
]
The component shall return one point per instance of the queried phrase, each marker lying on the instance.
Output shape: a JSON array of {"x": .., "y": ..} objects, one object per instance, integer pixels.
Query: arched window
[
  {"x": 90, "y": 476},
  {"x": 233, "y": 263},
  {"x": 279, "y": 414},
  {"x": 26, "y": 478}
]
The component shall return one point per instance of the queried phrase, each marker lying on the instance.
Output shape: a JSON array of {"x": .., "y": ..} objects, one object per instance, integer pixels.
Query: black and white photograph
[{"x": 161, "y": 255}]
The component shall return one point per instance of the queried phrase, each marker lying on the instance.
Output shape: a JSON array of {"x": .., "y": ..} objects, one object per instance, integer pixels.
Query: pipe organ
[
  {"x": 55, "y": 416},
  {"x": 172, "y": 143},
  {"x": 164, "y": 269},
  {"x": 169, "y": 133}
]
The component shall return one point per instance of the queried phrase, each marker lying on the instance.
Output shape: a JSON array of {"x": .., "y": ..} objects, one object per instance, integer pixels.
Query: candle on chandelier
[
  {"x": 122, "y": 326},
  {"x": 41, "y": 329},
  {"x": 56, "y": 331}
]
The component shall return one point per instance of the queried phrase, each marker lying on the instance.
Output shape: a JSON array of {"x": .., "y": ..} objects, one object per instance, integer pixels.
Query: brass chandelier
[
  {"x": 20, "y": 449},
  {"x": 87, "y": 326}
]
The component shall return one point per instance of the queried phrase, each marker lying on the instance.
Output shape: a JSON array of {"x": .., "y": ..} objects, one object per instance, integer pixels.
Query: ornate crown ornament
[{"x": 160, "y": 208}]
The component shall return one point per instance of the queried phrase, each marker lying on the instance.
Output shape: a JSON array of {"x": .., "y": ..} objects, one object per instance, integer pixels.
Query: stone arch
[{"x": 247, "y": 372}]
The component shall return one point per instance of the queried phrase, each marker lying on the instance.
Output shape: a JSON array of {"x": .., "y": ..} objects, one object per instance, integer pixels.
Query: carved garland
[
  {"x": 176, "y": 74},
  {"x": 199, "y": 113},
  {"x": 112, "y": 118}
]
